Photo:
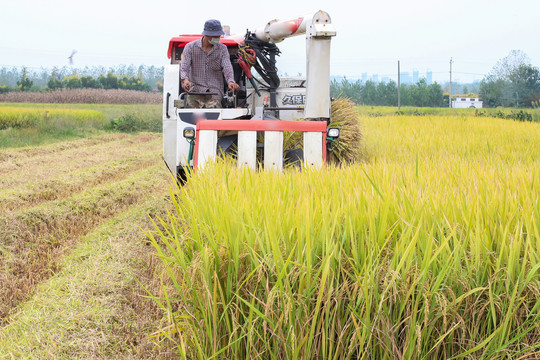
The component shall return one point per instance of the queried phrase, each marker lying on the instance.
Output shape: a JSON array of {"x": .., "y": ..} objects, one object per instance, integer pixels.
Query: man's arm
[
  {"x": 185, "y": 67},
  {"x": 228, "y": 69}
]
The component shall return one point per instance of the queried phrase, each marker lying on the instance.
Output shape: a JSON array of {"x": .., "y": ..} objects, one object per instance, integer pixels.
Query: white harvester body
[{"x": 251, "y": 113}]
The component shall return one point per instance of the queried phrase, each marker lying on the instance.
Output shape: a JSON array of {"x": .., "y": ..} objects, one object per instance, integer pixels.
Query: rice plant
[
  {"x": 346, "y": 117},
  {"x": 17, "y": 117},
  {"x": 428, "y": 251}
]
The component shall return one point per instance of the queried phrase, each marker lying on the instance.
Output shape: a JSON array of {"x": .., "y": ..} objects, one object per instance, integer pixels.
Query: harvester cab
[{"x": 250, "y": 122}]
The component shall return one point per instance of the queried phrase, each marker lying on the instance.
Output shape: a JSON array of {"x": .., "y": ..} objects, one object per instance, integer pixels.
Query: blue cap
[{"x": 213, "y": 28}]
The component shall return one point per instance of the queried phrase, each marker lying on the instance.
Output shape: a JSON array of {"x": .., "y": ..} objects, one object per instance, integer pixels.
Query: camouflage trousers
[{"x": 203, "y": 101}]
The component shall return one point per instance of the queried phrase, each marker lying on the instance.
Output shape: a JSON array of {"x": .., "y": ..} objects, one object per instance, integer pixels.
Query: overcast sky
[{"x": 371, "y": 35}]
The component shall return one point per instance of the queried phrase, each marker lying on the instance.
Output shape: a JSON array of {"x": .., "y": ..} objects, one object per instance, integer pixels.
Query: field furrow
[
  {"x": 17, "y": 171},
  {"x": 56, "y": 148},
  {"x": 62, "y": 186},
  {"x": 33, "y": 240}
]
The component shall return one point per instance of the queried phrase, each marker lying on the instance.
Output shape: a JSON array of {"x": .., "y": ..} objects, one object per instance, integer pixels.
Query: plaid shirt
[{"x": 206, "y": 71}]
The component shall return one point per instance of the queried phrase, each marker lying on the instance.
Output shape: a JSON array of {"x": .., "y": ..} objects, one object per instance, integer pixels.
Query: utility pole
[
  {"x": 398, "y": 87},
  {"x": 450, "y": 94}
]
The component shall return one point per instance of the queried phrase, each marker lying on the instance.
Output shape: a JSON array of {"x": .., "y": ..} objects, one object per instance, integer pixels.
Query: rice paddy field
[{"x": 426, "y": 247}]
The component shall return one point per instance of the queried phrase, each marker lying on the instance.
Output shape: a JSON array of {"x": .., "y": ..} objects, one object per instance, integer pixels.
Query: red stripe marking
[
  {"x": 262, "y": 125},
  {"x": 196, "y": 156},
  {"x": 324, "y": 149},
  {"x": 296, "y": 24}
]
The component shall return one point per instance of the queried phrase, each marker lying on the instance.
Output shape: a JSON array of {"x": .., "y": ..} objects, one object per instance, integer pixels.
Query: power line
[{"x": 468, "y": 73}]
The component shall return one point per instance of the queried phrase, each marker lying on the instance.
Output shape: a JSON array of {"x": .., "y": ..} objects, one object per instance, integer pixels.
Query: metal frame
[{"x": 212, "y": 126}]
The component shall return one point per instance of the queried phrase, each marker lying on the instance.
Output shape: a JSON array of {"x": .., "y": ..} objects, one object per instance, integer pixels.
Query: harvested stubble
[
  {"x": 38, "y": 164},
  {"x": 32, "y": 152},
  {"x": 84, "y": 96},
  {"x": 431, "y": 250},
  {"x": 60, "y": 187},
  {"x": 61, "y": 181},
  {"x": 95, "y": 306},
  {"x": 33, "y": 239}
]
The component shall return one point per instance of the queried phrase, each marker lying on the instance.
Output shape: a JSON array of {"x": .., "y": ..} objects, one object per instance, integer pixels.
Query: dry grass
[{"x": 84, "y": 96}]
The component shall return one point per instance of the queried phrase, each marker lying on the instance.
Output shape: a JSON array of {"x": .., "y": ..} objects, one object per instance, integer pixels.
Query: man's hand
[
  {"x": 233, "y": 86},
  {"x": 186, "y": 84}
]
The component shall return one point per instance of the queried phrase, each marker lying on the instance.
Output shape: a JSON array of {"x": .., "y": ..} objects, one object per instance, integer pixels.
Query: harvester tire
[
  {"x": 181, "y": 176},
  {"x": 294, "y": 157}
]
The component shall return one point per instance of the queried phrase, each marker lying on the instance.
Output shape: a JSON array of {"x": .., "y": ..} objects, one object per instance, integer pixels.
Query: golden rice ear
[
  {"x": 348, "y": 148},
  {"x": 344, "y": 116}
]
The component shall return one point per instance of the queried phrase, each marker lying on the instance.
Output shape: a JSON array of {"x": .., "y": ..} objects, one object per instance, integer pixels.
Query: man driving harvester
[{"x": 204, "y": 64}]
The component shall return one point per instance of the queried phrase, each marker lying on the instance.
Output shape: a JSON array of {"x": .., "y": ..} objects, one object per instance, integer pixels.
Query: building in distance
[{"x": 461, "y": 102}]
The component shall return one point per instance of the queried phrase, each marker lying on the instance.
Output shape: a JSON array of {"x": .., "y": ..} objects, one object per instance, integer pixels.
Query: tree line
[
  {"x": 513, "y": 82},
  {"x": 386, "y": 94},
  {"x": 142, "y": 78}
]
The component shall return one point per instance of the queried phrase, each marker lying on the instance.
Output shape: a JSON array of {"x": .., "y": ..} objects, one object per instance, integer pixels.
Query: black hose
[{"x": 266, "y": 64}]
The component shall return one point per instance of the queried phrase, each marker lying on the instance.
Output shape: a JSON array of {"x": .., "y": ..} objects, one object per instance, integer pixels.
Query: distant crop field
[
  {"x": 532, "y": 115},
  {"x": 26, "y": 124},
  {"x": 84, "y": 96},
  {"x": 16, "y": 117}
]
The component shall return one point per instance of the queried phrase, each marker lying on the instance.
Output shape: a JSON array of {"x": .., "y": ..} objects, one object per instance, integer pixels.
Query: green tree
[
  {"x": 54, "y": 83},
  {"x": 88, "y": 82},
  {"x": 505, "y": 66},
  {"x": 387, "y": 94},
  {"x": 525, "y": 80},
  {"x": 73, "y": 82},
  {"x": 25, "y": 84},
  {"x": 435, "y": 95},
  {"x": 369, "y": 94},
  {"x": 110, "y": 81},
  {"x": 492, "y": 91},
  {"x": 420, "y": 94},
  {"x": 513, "y": 81}
]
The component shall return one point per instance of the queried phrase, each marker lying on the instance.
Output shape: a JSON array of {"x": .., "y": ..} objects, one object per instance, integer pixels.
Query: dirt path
[{"x": 73, "y": 254}]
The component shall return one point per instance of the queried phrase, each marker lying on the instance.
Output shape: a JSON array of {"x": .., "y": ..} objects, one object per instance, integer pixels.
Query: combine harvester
[{"x": 251, "y": 121}]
